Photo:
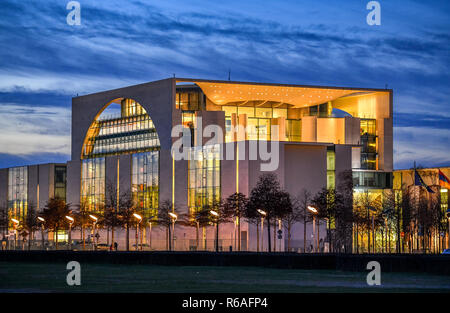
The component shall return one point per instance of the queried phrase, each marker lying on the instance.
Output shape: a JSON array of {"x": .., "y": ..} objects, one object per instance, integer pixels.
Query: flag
[
  {"x": 443, "y": 180},
  {"x": 418, "y": 181}
]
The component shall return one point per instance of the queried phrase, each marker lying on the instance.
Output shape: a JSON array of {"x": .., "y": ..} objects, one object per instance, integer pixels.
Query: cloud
[
  {"x": 27, "y": 130},
  {"x": 427, "y": 146},
  {"x": 121, "y": 44}
]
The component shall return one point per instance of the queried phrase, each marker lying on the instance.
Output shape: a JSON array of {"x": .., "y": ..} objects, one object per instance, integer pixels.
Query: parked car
[
  {"x": 446, "y": 251},
  {"x": 143, "y": 246},
  {"x": 103, "y": 247}
]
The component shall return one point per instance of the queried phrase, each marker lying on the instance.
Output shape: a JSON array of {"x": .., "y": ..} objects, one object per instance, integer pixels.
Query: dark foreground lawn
[{"x": 40, "y": 277}]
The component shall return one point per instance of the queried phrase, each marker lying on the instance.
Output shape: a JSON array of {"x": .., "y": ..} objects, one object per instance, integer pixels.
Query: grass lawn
[{"x": 43, "y": 277}]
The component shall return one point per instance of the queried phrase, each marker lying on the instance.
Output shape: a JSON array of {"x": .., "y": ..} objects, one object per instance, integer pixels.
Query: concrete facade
[{"x": 302, "y": 161}]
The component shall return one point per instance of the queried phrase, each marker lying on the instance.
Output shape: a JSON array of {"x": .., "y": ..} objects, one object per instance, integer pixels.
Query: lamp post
[
  {"x": 71, "y": 220},
  {"x": 94, "y": 223},
  {"x": 216, "y": 215},
  {"x": 42, "y": 220},
  {"x": 314, "y": 212},
  {"x": 173, "y": 217},
  {"x": 15, "y": 225},
  {"x": 263, "y": 216},
  {"x": 139, "y": 218}
]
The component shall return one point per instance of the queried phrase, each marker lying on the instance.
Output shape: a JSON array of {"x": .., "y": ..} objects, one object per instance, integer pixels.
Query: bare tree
[
  {"x": 29, "y": 224},
  {"x": 127, "y": 208},
  {"x": 296, "y": 215},
  {"x": 54, "y": 214},
  {"x": 268, "y": 197},
  {"x": 234, "y": 207}
]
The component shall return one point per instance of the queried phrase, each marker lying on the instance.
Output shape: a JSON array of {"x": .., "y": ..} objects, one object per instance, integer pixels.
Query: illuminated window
[
  {"x": 145, "y": 181},
  {"x": 204, "y": 176},
  {"x": 60, "y": 182},
  {"x": 17, "y": 192},
  {"x": 369, "y": 144},
  {"x": 250, "y": 111},
  {"x": 331, "y": 167},
  {"x": 132, "y": 131},
  {"x": 444, "y": 199},
  {"x": 293, "y": 130},
  {"x": 93, "y": 184}
]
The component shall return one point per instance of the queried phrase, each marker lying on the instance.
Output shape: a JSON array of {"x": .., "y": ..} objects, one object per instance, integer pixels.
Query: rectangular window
[
  {"x": 293, "y": 130},
  {"x": 204, "y": 176},
  {"x": 264, "y": 112},
  {"x": 60, "y": 182},
  {"x": 17, "y": 192},
  {"x": 93, "y": 184},
  {"x": 250, "y": 111},
  {"x": 331, "y": 167},
  {"x": 145, "y": 181}
]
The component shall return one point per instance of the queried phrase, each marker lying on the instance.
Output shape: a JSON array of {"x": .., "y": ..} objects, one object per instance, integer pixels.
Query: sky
[{"x": 44, "y": 62}]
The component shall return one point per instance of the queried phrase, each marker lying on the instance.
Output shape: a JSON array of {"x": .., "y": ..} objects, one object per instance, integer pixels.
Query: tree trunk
[
  {"x": 269, "y": 244},
  {"x": 112, "y": 236},
  {"x": 197, "y": 236},
  {"x": 83, "y": 237},
  {"x": 239, "y": 232},
  {"x": 304, "y": 230},
  {"x": 170, "y": 238},
  {"x": 275, "y": 236},
  {"x": 289, "y": 237},
  {"x": 128, "y": 237},
  {"x": 56, "y": 236}
]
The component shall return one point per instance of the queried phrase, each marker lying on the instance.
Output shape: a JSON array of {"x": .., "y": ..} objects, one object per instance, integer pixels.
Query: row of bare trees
[{"x": 356, "y": 224}]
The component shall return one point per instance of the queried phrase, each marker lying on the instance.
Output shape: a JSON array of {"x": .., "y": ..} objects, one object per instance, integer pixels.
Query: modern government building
[{"x": 122, "y": 142}]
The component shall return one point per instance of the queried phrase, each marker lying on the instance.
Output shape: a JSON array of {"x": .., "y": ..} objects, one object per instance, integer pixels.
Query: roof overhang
[{"x": 223, "y": 92}]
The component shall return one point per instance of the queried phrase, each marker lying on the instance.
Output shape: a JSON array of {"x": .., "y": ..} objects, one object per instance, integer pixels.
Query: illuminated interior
[
  {"x": 122, "y": 127},
  {"x": 17, "y": 193},
  {"x": 258, "y": 108}
]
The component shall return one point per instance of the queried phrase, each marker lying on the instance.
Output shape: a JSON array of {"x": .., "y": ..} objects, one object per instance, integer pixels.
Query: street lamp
[
  {"x": 139, "y": 218},
  {"x": 314, "y": 212},
  {"x": 263, "y": 215},
  {"x": 217, "y": 228},
  {"x": 42, "y": 220},
  {"x": 173, "y": 217},
  {"x": 71, "y": 220},
  {"x": 94, "y": 223},
  {"x": 15, "y": 225}
]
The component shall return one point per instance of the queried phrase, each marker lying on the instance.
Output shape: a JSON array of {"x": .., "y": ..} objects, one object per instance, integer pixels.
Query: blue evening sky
[{"x": 44, "y": 61}]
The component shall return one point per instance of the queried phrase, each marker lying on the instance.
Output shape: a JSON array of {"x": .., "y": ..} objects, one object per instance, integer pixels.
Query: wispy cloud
[{"x": 27, "y": 130}]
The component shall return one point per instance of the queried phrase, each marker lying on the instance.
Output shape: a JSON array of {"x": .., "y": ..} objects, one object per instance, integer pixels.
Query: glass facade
[
  {"x": 60, "y": 181},
  {"x": 189, "y": 99},
  {"x": 369, "y": 144},
  {"x": 259, "y": 122},
  {"x": 93, "y": 184},
  {"x": 204, "y": 176},
  {"x": 17, "y": 192},
  {"x": 133, "y": 132},
  {"x": 366, "y": 179},
  {"x": 145, "y": 181},
  {"x": 331, "y": 169}
]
